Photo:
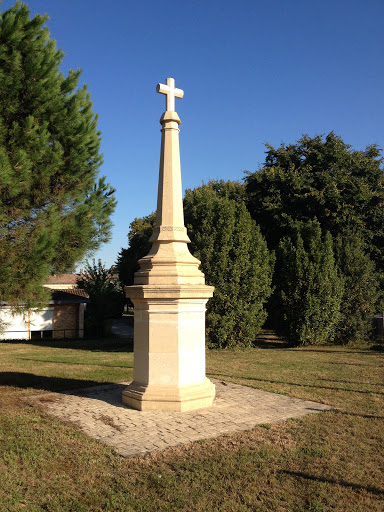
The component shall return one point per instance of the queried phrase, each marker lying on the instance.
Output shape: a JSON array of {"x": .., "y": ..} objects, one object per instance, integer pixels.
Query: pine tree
[
  {"x": 53, "y": 206},
  {"x": 308, "y": 286}
]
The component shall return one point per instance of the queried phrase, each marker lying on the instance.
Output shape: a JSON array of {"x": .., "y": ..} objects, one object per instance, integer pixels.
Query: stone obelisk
[{"x": 169, "y": 296}]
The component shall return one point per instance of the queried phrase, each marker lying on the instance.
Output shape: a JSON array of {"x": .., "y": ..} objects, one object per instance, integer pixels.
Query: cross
[{"x": 171, "y": 92}]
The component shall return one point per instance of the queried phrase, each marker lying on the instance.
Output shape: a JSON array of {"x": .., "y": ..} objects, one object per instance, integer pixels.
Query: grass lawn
[{"x": 328, "y": 461}]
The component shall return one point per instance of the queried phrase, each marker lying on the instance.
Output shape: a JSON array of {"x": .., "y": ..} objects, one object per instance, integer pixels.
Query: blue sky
[{"x": 252, "y": 71}]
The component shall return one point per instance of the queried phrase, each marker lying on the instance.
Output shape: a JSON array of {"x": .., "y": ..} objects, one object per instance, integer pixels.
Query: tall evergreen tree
[
  {"x": 140, "y": 231},
  {"x": 235, "y": 260},
  {"x": 361, "y": 288},
  {"x": 234, "y": 256},
  {"x": 308, "y": 286},
  {"x": 53, "y": 206},
  {"x": 321, "y": 178},
  {"x": 234, "y": 190},
  {"x": 106, "y": 294}
]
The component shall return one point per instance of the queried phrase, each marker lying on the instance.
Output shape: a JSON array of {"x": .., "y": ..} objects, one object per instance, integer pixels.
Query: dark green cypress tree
[
  {"x": 235, "y": 260},
  {"x": 107, "y": 298},
  {"x": 323, "y": 178},
  {"x": 234, "y": 256},
  {"x": 140, "y": 231},
  {"x": 53, "y": 207},
  {"x": 309, "y": 287},
  {"x": 362, "y": 288}
]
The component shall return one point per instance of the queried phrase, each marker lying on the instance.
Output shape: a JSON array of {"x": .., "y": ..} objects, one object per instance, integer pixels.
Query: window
[{"x": 37, "y": 335}]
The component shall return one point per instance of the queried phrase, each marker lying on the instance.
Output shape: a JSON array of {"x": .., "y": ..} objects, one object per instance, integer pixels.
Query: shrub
[
  {"x": 361, "y": 291},
  {"x": 235, "y": 260},
  {"x": 309, "y": 286}
]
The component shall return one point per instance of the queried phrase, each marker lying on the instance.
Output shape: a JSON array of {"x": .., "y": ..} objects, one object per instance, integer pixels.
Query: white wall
[
  {"x": 16, "y": 325},
  {"x": 41, "y": 320}
]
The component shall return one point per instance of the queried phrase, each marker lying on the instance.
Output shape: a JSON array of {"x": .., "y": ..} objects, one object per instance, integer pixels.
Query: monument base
[{"x": 169, "y": 398}]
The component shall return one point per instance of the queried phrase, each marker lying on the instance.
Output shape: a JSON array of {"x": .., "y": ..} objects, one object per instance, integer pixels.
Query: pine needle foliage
[{"x": 53, "y": 206}]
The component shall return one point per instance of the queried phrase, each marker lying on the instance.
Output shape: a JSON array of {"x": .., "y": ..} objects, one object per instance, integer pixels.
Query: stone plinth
[
  {"x": 169, "y": 334},
  {"x": 169, "y": 297}
]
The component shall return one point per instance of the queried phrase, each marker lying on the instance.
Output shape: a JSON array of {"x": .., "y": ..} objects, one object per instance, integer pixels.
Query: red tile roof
[
  {"x": 74, "y": 291},
  {"x": 68, "y": 295},
  {"x": 63, "y": 279}
]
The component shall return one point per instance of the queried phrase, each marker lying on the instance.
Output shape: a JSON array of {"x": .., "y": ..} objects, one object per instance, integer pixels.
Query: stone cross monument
[{"x": 169, "y": 296}]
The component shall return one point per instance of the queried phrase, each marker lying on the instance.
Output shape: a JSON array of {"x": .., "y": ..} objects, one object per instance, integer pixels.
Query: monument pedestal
[
  {"x": 169, "y": 297},
  {"x": 169, "y": 334}
]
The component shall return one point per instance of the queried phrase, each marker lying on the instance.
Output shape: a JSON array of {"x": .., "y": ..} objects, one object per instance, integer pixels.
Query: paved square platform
[{"x": 99, "y": 412}]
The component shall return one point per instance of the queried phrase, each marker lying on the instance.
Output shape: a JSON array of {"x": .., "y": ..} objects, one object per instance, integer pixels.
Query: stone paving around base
[{"x": 99, "y": 413}]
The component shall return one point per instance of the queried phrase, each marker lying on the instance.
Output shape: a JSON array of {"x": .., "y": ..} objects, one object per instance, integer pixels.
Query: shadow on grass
[
  {"x": 268, "y": 339},
  {"x": 350, "y": 381},
  {"x": 341, "y": 351},
  {"x": 349, "y": 485},
  {"x": 365, "y": 416},
  {"x": 39, "y": 382},
  {"x": 377, "y": 348},
  {"x": 221, "y": 375},
  {"x": 113, "y": 344},
  {"x": 108, "y": 392},
  {"x": 353, "y": 364},
  {"x": 70, "y": 363}
]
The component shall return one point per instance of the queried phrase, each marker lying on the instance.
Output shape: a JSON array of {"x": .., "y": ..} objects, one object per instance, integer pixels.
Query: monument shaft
[{"x": 169, "y": 296}]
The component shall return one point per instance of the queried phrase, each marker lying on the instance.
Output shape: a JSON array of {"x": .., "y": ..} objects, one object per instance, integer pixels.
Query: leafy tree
[
  {"x": 324, "y": 179},
  {"x": 107, "y": 298},
  {"x": 140, "y": 231},
  {"x": 320, "y": 178},
  {"x": 53, "y": 207},
  {"x": 234, "y": 190},
  {"x": 309, "y": 287},
  {"x": 361, "y": 290},
  {"x": 235, "y": 260}
]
